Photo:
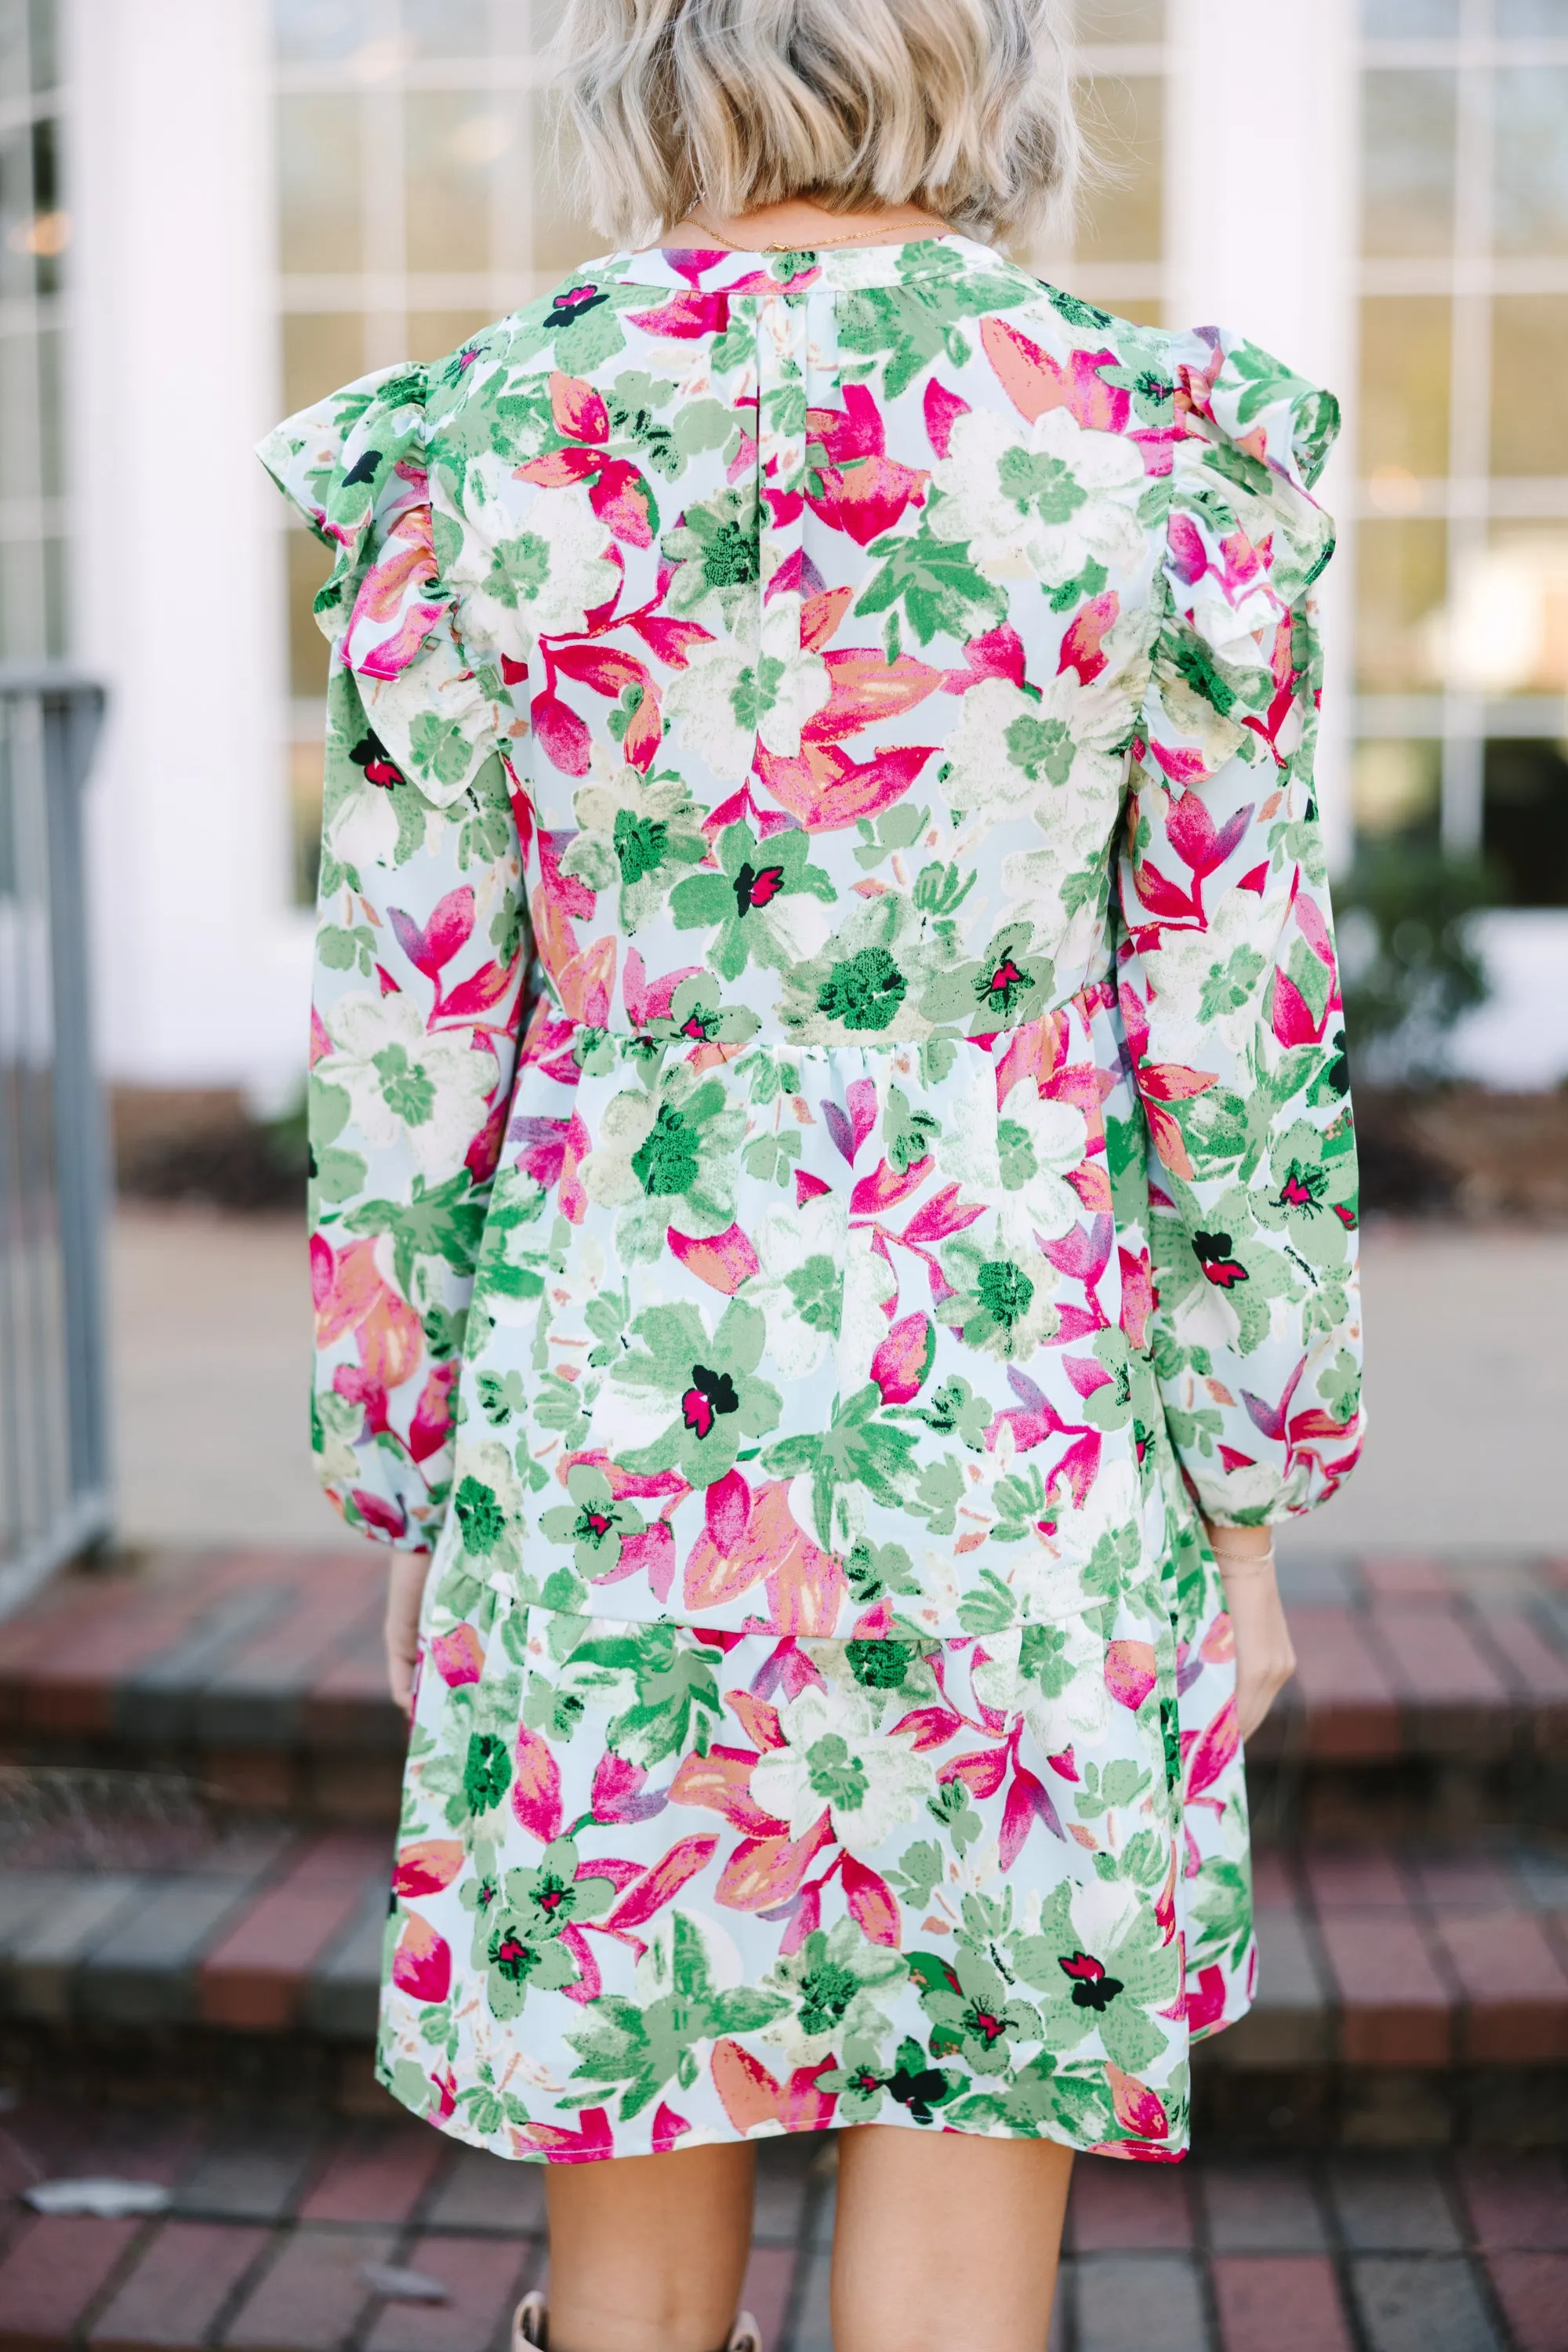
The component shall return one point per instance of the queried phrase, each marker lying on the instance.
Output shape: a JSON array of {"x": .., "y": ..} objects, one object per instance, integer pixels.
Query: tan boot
[{"x": 531, "y": 2329}]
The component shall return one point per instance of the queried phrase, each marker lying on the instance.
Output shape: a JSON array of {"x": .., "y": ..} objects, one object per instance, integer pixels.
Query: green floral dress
[{"x": 830, "y": 1146}]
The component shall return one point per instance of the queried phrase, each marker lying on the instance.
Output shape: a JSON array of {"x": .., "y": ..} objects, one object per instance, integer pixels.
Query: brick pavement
[{"x": 273, "y": 2222}]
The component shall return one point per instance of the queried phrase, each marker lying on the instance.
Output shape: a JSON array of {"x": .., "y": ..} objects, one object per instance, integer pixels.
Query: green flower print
[
  {"x": 747, "y": 901},
  {"x": 1003, "y": 989},
  {"x": 698, "y": 1015},
  {"x": 658, "y": 1692},
  {"x": 862, "y": 2081},
  {"x": 637, "y": 834},
  {"x": 1001, "y": 1288},
  {"x": 666, "y": 1157},
  {"x": 1313, "y": 1202},
  {"x": 594, "y": 1523},
  {"x": 974, "y": 2011},
  {"x": 1102, "y": 1966},
  {"x": 715, "y": 549},
  {"x": 487, "y": 1504},
  {"x": 645, "y": 2044},
  {"x": 1108, "y": 1405},
  {"x": 867, "y": 983},
  {"x": 708, "y": 1380},
  {"x": 522, "y": 1927},
  {"x": 832, "y": 1983}
]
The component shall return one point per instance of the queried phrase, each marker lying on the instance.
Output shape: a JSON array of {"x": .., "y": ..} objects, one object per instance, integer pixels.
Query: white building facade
[{"x": 262, "y": 199}]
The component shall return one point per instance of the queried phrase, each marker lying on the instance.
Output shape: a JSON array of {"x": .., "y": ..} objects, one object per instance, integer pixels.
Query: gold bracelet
[{"x": 1234, "y": 1561}]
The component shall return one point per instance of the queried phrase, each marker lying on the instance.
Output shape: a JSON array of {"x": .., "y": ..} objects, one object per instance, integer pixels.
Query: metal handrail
[{"x": 54, "y": 1160}]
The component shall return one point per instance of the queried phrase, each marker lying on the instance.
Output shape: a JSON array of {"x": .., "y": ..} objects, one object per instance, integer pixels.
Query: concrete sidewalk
[{"x": 1467, "y": 1381}]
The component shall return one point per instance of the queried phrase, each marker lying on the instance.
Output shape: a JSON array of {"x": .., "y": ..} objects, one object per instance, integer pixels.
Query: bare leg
[
  {"x": 647, "y": 2252},
  {"x": 946, "y": 2242}
]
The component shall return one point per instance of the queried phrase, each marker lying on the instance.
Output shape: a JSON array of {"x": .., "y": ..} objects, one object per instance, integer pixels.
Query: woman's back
[
  {"x": 831, "y": 612},
  {"x": 876, "y": 694}
]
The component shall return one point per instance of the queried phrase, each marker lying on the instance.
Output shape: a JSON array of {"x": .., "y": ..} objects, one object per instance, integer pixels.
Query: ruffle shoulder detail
[
  {"x": 357, "y": 467},
  {"x": 1245, "y": 541}
]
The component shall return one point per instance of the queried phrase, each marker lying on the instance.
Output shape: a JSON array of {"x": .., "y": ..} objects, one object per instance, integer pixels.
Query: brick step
[
  {"x": 1405, "y": 1996},
  {"x": 273, "y": 2220},
  {"x": 1431, "y": 1696}
]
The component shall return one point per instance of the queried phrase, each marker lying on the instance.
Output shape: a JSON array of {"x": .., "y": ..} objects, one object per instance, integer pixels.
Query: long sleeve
[
  {"x": 421, "y": 946},
  {"x": 1228, "y": 984}
]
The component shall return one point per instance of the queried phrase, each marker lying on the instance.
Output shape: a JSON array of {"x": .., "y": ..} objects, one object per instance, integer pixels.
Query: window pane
[
  {"x": 321, "y": 352},
  {"x": 1393, "y": 20},
  {"x": 1530, "y": 367},
  {"x": 438, "y": 335},
  {"x": 1119, "y": 20},
  {"x": 1125, "y": 120},
  {"x": 14, "y": 68},
  {"x": 1407, "y": 163},
  {"x": 44, "y": 43},
  {"x": 1510, "y": 619},
  {"x": 18, "y": 222},
  {"x": 448, "y": 28},
  {"x": 1532, "y": 200},
  {"x": 454, "y": 141},
  {"x": 29, "y": 52},
  {"x": 51, "y": 413},
  {"x": 1400, "y": 575},
  {"x": 561, "y": 237},
  {"x": 1545, "y": 19},
  {"x": 1525, "y": 819},
  {"x": 319, "y": 172},
  {"x": 18, "y": 405},
  {"x": 1404, "y": 356},
  {"x": 1397, "y": 788},
  {"x": 311, "y": 31},
  {"x": 24, "y": 617},
  {"x": 309, "y": 564},
  {"x": 56, "y": 604}
]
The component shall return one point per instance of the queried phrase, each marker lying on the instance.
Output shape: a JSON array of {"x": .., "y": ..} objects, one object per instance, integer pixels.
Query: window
[
  {"x": 417, "y": 201},
  {"x": 35, "y": 232},
  {"x": 1117, "y": 256},
  {"x": 1462, "y": 546}
]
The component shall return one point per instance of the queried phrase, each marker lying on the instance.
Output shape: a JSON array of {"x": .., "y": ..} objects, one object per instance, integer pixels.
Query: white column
[
  {"x": 177, "y": 593},
  {"x": 1262, "y": 208}
]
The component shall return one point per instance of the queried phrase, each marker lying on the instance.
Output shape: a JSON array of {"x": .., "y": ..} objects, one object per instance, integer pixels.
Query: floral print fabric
[{"x": 881, "y": 691}]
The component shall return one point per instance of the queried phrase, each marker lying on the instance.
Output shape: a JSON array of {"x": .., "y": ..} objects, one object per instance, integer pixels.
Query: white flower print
[
  {"x": 545, "y": 580},
  {"x": 758, "y": 687},
  {"x": 1203, "y": 983},
  {"x": 792, "y": 684},
  {"x": 1044, "y": 506},
  {"x": 801, "y": 1285},
  {"x": 703, "y": 705},
  {"x": 1013, "y": 751},
  {"x": 428, "y": 1093},
  {"x": 836, "y": 1757},
  {"x": 1039, "y": 1142},
  {"x": 1062, "y": 1699}
]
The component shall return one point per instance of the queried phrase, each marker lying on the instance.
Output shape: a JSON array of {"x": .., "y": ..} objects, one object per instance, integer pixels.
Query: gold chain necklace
[{"x": 816, "y": 245}]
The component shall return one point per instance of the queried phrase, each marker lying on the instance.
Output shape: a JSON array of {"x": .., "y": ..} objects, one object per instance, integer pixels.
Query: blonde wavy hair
[{"x": 962, "y": 106}]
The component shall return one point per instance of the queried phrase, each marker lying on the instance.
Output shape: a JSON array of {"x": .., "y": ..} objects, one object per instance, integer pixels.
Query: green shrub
[{"x": 1409, "y": 967}]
